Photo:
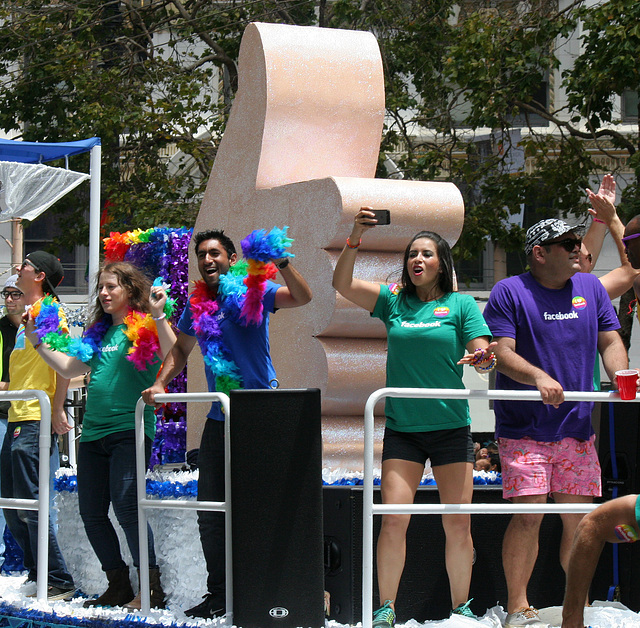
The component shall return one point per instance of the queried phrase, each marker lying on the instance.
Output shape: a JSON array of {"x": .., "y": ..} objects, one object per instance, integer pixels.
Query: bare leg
[
  {"x": 520, "y": 551},
  {"x": 400, "y": 480},
  {"x": 455, "y": 485},
  {"x": 593, "y": 531},
  {"x": 570, "y": 522}
]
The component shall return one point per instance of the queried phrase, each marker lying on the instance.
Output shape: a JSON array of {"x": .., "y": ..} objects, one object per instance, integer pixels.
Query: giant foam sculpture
[{"x": 301, "y": 149}]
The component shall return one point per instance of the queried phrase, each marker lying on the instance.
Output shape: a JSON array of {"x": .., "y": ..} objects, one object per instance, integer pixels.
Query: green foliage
[{"x": 147, "y": 78}]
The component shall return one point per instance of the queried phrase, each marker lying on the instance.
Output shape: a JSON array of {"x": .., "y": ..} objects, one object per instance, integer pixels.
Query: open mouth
[{"x": 417, "y": 270}]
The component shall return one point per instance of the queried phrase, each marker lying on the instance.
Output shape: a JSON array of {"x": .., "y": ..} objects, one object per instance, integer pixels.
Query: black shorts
[{"x": 440, "y": 446}]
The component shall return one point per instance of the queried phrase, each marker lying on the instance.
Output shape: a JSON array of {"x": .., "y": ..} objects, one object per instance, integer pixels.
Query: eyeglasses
[
  {"x": 568, "y": 244},
  {"x": 629, "y": 237},
  {"x": 11, "y": 294}
]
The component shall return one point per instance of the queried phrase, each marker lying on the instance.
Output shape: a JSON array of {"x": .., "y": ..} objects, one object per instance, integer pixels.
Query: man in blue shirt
[{"x": 244, "y": 346}]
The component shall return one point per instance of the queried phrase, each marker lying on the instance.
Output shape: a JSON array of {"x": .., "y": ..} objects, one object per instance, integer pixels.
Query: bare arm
[
  {"x": 520, "y": 370},
  {"x": 593, "y": 531},
  {"x": 619, "y": 280},
  {"x": 174, "y": 363},
  {"x": 614, "y": 355},
  {"x": 603, "y": 209},
  {"x": 63, "y": 364},
  {"x": 362, "y": 293},
  {"x": 59, "y": 423},
  {"x": 296, "y": 292},
  {"x": 166, "y": 337}
]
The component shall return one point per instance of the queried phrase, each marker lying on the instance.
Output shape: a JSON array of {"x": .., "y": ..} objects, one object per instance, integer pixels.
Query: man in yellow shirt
[{"x": 39, "y": 274}]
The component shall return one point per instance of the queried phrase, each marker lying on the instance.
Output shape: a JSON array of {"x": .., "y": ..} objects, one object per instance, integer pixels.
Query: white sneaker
[{"x": 525, "y": 618}]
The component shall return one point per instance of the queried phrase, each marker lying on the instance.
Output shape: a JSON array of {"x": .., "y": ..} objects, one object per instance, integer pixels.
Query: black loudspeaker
[
  {"x": 424, "y": 588},
  {"x": 626, "y": 418},
  {"x": 276, "y": 508}
]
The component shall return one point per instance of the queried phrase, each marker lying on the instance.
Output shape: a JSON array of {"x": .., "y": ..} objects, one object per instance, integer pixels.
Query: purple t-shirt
[{"x": 557, "y": 331}]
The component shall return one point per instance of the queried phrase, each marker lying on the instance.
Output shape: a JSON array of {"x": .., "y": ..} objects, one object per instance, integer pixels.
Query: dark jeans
[
  {"x": 19, "y": 462},
  {"x": 107, "y": 475},
  {"x": 211, "y": 488}
]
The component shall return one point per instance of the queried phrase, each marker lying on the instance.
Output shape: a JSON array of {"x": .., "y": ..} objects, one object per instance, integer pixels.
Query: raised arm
[
  {"x": 63, "y": 364},
  {"x": 166, "y": 337},
  {"x": 603, "y": 212},
  {"x": 521, "y": 370},
  {"x": 362, "y": 293},
  {"x": 296, "y": 292},
  {"x": 175, "y": 361}
]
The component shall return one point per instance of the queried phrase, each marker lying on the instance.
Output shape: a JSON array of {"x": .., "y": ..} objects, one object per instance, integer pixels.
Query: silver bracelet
[{"x": 159, "y": 318}]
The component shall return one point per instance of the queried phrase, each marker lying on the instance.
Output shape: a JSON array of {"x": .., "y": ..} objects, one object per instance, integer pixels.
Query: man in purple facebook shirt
[{"x": 549, "y": 324}]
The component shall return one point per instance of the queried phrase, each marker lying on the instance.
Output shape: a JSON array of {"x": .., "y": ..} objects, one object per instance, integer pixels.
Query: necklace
[{"x": 239, "y": 297}]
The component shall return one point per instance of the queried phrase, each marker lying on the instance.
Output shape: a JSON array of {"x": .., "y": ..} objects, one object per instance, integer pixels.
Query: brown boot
[
  {"x": 157, "y": 599},
  {"x": 119, "y": 591}
]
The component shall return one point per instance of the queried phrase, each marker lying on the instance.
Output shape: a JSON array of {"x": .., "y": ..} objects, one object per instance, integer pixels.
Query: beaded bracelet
[
  {"x": 492, "y": 365},
  {"x": 479, "y": 358},
  {"x": 354, "y": 246}
]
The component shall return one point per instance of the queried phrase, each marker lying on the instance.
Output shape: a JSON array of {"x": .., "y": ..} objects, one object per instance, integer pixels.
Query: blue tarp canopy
[
  {"x": 31, "y": 156},
  {"x": 40, "y": 152}
]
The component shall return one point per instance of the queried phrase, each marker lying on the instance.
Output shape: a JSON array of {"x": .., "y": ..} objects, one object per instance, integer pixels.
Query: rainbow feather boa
[
  {"x": 241, "y": 292},
  {"x": 140, "y": 330}
]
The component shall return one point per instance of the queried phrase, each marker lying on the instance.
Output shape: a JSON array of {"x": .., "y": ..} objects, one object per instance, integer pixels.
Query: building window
[{"x": 629, "y": 106}]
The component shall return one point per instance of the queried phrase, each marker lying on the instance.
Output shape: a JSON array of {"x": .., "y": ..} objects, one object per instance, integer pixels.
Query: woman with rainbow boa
[{"x": 123, "y": 349}]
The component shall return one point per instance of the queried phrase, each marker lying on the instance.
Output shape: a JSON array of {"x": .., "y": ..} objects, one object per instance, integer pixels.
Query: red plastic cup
[{"x": 627, "y": 380}]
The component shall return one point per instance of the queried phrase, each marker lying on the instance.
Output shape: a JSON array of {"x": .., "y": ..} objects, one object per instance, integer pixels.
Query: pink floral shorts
[{"x": 532, "y": 467}]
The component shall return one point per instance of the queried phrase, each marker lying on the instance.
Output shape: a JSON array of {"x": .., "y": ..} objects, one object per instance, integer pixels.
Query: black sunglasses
[{"x": 568, "y": 244}]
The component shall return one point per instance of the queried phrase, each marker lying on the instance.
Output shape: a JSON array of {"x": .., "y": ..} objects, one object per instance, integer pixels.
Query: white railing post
[
  {"x": 43, "y": 494},
  {"x": 144, "y": 503}
]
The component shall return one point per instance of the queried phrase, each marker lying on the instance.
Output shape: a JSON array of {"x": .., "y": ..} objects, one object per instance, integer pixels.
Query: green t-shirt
[
  {"x": 425, "y": 340},
  {"x": 114, "y": 389}
]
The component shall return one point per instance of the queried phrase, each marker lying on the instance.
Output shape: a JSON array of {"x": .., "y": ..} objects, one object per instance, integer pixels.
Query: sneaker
[
  {"x": 525, "y": 618},
  {"x": 464, "y": 610},
  {"x": 384, "y": 616},
  {"x": 56, "y": 593},
  {"x": 210, "y": 607}
]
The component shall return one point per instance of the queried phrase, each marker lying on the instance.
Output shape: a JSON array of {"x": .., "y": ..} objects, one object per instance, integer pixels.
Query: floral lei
[
  {"x": 140, "y": 330},
  {"x": 241, "y": 290}
]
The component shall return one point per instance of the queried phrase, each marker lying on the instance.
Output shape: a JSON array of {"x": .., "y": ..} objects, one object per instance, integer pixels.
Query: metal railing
[
  {"x": 369, "y": 509},
  {"x": 42, "y": 503},
  {"x": 144, "y": 503}
]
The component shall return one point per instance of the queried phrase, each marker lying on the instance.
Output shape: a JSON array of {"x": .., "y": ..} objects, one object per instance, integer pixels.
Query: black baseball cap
[{"x": 50, "y": 265}]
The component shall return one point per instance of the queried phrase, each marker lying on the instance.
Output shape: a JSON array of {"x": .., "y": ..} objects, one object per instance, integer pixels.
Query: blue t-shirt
[
  {"x": 425, "y": 341},
  {"x": 557, "y": 331},
  {"x": 248, "y": 347}
]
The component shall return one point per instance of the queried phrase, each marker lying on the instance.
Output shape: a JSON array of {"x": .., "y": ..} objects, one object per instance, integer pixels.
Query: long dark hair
[
  {"x": 445, "y": 278},
  {"x": 136, "y": 284}
]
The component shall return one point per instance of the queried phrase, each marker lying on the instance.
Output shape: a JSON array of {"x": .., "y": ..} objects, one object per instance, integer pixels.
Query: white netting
[{"x": 28, "y": 189}]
